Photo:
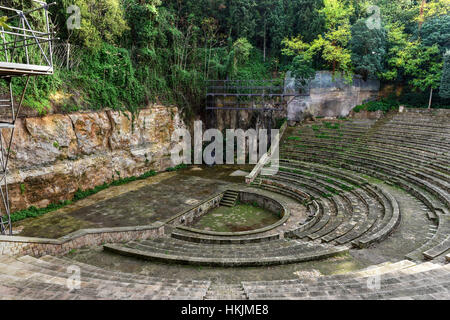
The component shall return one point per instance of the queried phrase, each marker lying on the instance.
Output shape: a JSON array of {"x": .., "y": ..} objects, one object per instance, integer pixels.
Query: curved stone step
[
  {"x": 390, "y": 221},
  {"x": 296, "y": 252},
  {"x": 421, "y": 280},
  {"x": 196, "y": 238},
  {"x": 438, "y": 244}
]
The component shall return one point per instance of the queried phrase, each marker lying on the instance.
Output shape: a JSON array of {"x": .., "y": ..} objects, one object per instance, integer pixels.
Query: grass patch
[
  {"x": 242, "y": 217},
  {"x": 332, "y": 190},
  {"x": 324, "y": 136},
  {"x": 332, "y": 126},
  {"x": 178, "y": 167}
]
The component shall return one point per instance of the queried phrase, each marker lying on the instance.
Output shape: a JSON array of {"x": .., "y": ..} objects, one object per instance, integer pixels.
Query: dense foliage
[
  {"x": 133, "y": 52},
  {"x": 445, "y": 82}
]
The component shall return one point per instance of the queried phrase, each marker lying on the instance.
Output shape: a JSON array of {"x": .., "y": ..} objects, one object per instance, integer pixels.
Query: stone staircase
[
  {"x": 229, "y": 199},
  {"x": 408, "y": 150},
  {"x": 226, "y": 292},
  {"x": 388, "y": 281},
  {"x": 51, "y": 278}
]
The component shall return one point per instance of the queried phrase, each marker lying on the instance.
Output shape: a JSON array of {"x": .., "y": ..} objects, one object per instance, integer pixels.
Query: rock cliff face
[
  {"x": 54, "y": 156},
  {"x": 330, "y": 97},
  {"x": 326, "y": 96}
]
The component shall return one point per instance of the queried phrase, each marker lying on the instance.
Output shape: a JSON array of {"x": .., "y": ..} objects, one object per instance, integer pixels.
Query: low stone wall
[
  {"x": 277, "y": 207},
  {"x": 263, "y": 202},
  {"x": 83, "y": 238},
  {"x": 190, "y": 216},
  {"x": 55, "y": 155}
]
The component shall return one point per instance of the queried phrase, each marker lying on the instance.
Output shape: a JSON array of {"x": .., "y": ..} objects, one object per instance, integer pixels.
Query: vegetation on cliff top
[{"x": 129, "y": 53}]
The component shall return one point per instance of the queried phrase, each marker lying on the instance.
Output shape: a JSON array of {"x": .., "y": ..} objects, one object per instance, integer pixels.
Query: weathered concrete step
[
  {"x": 32, "y": 278},
  {"x": 116, "y": 275},
  {"x": 226, "y": 292},
  {"x": 385, "y": 269},
  {"x": 270, "y": 249},
  {"x": 93, "y": 285},
  {"x": 394, "y": 171},
  {"x": 438, "y": 244},
  {"x": 44, "y": 267},
  {"x": 186, "y": 257},
  {"x": 171, "y": 243},
  {"x": 229, "y": 198},
  {"x": 196, "y": 238},
  {"x": 428, "y": 275}
]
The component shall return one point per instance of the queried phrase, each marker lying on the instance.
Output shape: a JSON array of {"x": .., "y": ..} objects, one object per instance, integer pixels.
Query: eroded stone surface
[{"x": 54, "y": 156}]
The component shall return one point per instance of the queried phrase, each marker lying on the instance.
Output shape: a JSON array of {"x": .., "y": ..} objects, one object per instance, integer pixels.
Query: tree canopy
[
  {"x": 133, "y": 52},
  {"x": 445, "y": 81}
]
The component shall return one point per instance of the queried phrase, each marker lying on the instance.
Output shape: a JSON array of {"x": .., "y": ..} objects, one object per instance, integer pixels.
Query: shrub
[{"x": 384, "y": 105}]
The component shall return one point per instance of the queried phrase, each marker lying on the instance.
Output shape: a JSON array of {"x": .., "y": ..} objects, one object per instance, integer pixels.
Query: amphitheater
[{"x": 362, "y": 207}]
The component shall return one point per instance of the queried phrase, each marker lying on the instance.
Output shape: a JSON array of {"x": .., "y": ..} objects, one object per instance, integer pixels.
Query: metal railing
[{"x": 261, "y": 95}]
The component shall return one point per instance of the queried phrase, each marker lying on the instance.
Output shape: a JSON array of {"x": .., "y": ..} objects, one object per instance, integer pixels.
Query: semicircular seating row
[
  {"x": 325, "y": 160},
  {"x": 47, "y": 278},
  {"x": 321, "y": 166}
]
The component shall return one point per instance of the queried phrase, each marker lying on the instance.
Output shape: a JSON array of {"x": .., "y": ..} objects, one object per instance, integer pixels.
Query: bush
[{"x": 384, "y": 105}]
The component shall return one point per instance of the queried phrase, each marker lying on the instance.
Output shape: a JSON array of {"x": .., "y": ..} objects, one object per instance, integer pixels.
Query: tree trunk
[
  {"x": 431, "y": 99},
  {"x": 422, "y": 8},
  {"x": 265, "y": 39}
]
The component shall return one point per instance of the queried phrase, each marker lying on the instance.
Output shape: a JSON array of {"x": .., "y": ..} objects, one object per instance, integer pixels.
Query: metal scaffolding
[
  {"x": 265, "y": 96},
  {"x": 258, "y": 95},
  {"x": 25, "y": 51}
]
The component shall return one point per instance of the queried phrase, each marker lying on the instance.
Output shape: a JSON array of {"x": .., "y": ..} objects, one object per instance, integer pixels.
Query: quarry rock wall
[
  {"x": 326, "y": 96},
  {"x": 55, "y": 155},
  {"x": 330, "y": 96}
]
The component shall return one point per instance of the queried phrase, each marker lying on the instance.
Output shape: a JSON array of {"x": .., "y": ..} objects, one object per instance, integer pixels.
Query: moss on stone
[{"x": 242, "y": 217}]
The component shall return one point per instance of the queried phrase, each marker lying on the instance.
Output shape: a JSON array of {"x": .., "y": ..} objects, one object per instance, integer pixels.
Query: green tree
[
  {"x": 304, "y": 19},
  {"x": 331, "y": 47},
  {"x": 444, "y": 90},
  {"x": 424, "y": 66},
  {"x": 336, "y": 13},
  {"x": 436, "y": 8},
  {"x": 102, "y": 21},
  {"x": 239, "y": 54},
  {"x": 399, "y": 12},
  {"x": 436, "y": 31},
  {"x": 397, "y": 40},
  {"x": 368, "y": 48},
  {"x": 302, "y": 68},
  {"x": 3, "y": 23},
  {"x": 333, "y": 44}
]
